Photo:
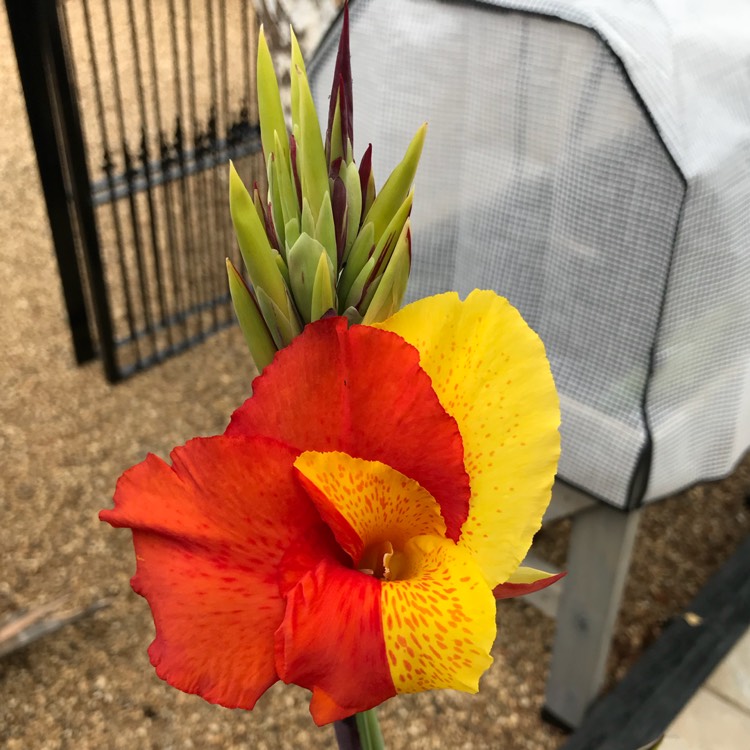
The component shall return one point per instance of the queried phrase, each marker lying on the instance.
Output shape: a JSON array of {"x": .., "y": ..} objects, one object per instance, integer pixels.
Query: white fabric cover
[{"x": 590, "y": 160}]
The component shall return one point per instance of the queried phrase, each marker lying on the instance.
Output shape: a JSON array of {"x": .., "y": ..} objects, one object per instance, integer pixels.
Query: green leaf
[{"x": 253, "y": 327}]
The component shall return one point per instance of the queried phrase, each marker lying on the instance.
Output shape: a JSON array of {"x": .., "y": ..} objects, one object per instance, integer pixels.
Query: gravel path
[{"x": 65, "y": 436}]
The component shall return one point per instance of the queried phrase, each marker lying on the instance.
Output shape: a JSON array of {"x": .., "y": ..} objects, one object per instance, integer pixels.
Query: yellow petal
[
  {"x": 529, "y": 575},
  {"x": 491, "y": 374},
  {"x": 367, "y": 503},
  {"x": 439, "y": 621},
  {"x": 526, "y": 581}
]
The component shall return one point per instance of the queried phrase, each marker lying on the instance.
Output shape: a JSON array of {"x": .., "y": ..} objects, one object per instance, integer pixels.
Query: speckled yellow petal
[
  {"x": 367, "y": 504},
  {"x": 490, "y": 372},
  {"x": 439, "y": 620}
]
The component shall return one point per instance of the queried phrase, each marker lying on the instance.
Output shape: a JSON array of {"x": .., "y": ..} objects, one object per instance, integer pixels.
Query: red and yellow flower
[{"x": 347, "y": 532}]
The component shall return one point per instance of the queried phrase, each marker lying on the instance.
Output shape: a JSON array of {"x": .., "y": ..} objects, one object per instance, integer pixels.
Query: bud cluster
[{"x": 321, "y": 242}]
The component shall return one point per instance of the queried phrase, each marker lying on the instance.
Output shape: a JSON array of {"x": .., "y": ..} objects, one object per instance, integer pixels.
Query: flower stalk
[{"x": 359, "y": 732}]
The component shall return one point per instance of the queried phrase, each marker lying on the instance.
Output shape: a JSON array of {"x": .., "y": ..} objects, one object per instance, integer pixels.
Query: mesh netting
[{"x": 591, "y": 162}]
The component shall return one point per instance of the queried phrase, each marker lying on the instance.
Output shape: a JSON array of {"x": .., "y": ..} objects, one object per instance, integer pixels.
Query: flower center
[
  {"x": 375, "y": 560},
  {"x": 383, "y": 561}
]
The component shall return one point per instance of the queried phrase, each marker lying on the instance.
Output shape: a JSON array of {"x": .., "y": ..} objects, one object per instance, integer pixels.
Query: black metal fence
[{"x": 135, "y": 107}]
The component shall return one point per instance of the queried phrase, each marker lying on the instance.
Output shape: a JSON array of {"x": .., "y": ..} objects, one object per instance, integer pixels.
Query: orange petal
[
  {"x": 526, "y": 581},
  {"x": 331, "y": 642},
  {"x": 209, "y": 534},
  {"x": 363, "y": 392}
]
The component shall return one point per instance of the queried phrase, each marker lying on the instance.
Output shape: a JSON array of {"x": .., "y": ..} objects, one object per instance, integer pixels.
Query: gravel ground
[{"x": 65, "y": 436}]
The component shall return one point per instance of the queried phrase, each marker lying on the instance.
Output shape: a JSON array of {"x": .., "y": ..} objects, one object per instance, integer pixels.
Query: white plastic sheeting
[{"x": 590, "y": 160}]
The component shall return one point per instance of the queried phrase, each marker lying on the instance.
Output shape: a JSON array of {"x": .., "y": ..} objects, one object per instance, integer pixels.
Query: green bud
[
  {"x": 291, "y": 233},
  {"x": 274, "y": 195},
  {"x": 299, "y": 62},
  {"x": 253, "y": 241},
  {"x": 258, "y": 203},
  {"x": 358, "y": 257},
  {"x": 336, "y": 141},
  {"x": 311, "y": 159},
  {"x": 325, "y": 231},
  {"x": 387, "y": 242},
  {"x": 324, "y": 296},
  {"x": 392, "y": 287},
  {"x": 397, "y": 186},
  {"x": 304, "y": 259},
  {"x": 352, "y": 315},
  {"x": 270, "y": 112},
  {"x": 283, "y": 323},
  {"x": 354, "y": 204},
  {"x": 253, "y": 327},
  {"x": 308, "y": 220},
  {"x": 281, "y": 265},
  {"x": 372, "y": 287},
  {"x": 358, "y": 287},
  {"x": 283, "y": 180}
]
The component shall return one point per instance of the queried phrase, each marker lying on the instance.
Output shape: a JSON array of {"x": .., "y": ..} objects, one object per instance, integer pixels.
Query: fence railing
[{"x": 135, "y": 107}]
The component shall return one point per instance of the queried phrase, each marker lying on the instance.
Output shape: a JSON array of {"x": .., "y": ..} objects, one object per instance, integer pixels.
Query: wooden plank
[
  {"x": 566, "y": 501},
  {"x": 598, "y": 560},
  {"x": 667, "y": 675}
]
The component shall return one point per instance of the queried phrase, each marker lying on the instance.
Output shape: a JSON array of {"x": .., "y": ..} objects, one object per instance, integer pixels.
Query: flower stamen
[{"x": 376, "y": 559}]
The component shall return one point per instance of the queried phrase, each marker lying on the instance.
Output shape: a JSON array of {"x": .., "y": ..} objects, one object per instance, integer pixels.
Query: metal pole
[{"x": 36, "y": 69}]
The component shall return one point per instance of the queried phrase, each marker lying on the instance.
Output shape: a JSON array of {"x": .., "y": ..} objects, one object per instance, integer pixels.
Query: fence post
[{"x": 58, "y": 140}]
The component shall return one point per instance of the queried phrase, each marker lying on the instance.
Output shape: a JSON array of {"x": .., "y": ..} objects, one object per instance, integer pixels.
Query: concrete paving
[{"x": 718, "y": 715}]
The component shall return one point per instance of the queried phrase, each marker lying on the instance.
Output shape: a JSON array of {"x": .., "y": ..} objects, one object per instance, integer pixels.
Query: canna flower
[
  {"x": 321, "y": 240},
  {"x": 351, "y": 529}
]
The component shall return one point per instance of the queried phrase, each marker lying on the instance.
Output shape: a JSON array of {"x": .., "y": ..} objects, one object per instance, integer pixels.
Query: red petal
[
  {"x": 331, "y": 642},
  {"x": 209, "y": 534},
  {"x": 509, "y": 590},
  {"x": 363, "y": 392}
]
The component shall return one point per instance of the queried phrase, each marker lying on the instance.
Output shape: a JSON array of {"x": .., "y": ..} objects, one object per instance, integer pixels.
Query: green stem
[
  {"x": 359, "y": 732},
  {"x": 369, "y": 730}
]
